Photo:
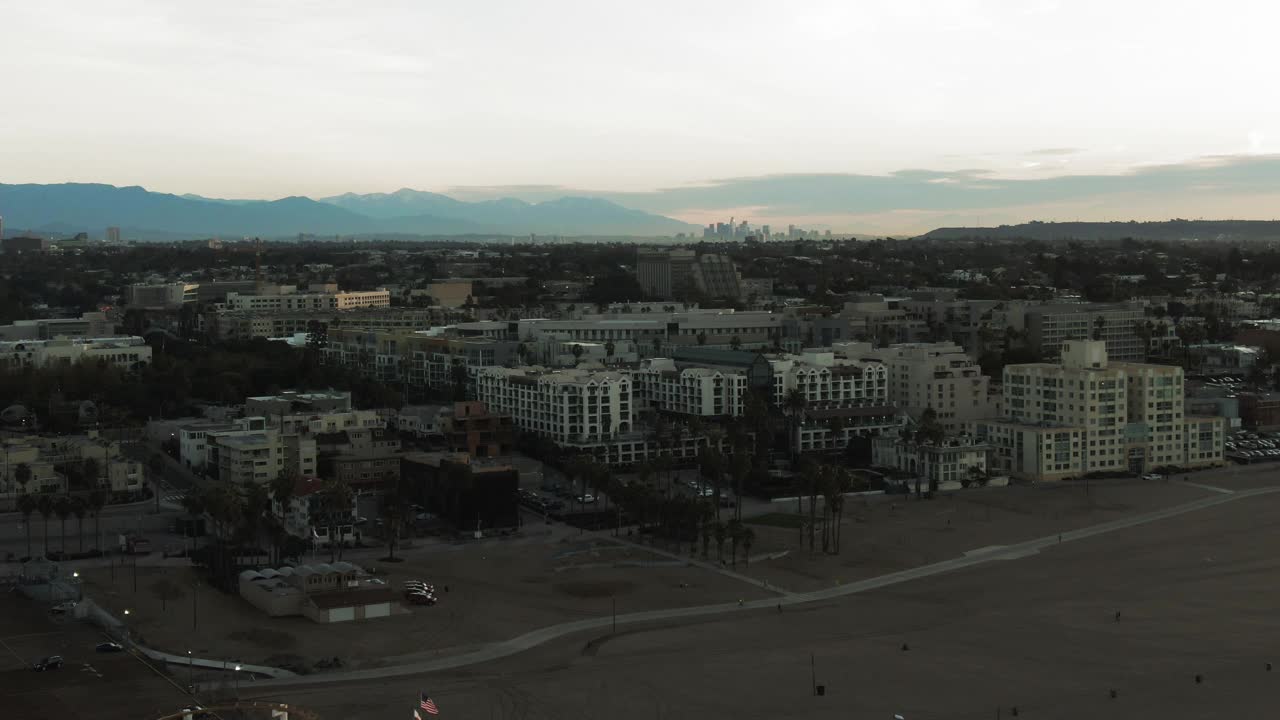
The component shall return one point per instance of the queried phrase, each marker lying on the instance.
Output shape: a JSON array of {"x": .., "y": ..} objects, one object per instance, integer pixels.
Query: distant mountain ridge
[
  {"x": 92, "y": 207},
  {"x": 1259, "y": 230}
]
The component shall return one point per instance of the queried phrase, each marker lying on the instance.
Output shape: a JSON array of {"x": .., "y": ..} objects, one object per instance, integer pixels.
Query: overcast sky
[{"x": 720, "y": 105}]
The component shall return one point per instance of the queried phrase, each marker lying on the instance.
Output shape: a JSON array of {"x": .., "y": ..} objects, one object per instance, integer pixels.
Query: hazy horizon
[{"x": 884, "y": 117}]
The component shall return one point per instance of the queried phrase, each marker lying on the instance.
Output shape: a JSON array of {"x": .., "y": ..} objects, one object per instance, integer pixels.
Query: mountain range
[
  {"x": 1167, "y": 230},
  {"x": 142, "y": 214}
]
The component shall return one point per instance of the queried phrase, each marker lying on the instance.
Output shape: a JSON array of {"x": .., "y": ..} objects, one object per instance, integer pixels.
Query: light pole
[
  {"x": 237, "y": 681},
  {"x": 190, "y": 671}
]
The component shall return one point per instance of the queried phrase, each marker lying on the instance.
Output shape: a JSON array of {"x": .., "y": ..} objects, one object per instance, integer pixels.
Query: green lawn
[{"x": 782, "y": 520}]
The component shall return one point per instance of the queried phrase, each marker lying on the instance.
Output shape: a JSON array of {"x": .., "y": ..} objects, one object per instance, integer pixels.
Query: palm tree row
[{"x": 832, "y": 482}]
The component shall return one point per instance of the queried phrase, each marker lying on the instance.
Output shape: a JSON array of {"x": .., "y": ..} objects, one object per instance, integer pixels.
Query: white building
[
  {"x": 126, "y": 353},
  {"x": 568, "y": 406},
  {"x": 703, "y": 391},
  {"x": 956, "y": 460},
  {"x": 1087, "y": 414}
]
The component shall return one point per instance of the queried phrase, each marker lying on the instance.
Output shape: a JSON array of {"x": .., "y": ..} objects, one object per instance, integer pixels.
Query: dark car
[
  {"x": 53, "y": 662},
  {"x": 109, "y": 647}
]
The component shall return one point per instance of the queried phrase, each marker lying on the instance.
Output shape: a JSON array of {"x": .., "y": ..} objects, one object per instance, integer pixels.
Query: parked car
[
  {"x": 53, "y": 662},
  {"x": 586, "y": 499},
  {"x": 1152, "y": 476},
  {"x": 62, "y": 608},
  {"x": 109, "y": 647},
  {"x": 421, "y": 598}
]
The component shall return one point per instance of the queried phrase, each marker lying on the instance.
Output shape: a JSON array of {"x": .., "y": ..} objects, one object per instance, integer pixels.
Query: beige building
[
  {"x": 256, "y": 453},
  {"x": 125, "y": 353},
  {"x": 1087, "y": 414},
  {"x": 940, "y": 376},
  {"x": 296, "y": 301}
]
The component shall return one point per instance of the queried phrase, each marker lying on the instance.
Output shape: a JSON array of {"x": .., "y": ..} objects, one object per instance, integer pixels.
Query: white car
[
  {"x": 1152, "y": 476},
  {"x": 586, "y": 499}
]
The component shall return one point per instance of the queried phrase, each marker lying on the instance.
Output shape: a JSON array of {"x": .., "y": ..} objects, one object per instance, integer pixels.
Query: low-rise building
[
  {"x": 88, "y": 325},
  {"x": 472, "y": 495},
  {"x": 128, "y": 353},
  {"x": 957, "y": 459},
  {"x": 322, "y": 592}
]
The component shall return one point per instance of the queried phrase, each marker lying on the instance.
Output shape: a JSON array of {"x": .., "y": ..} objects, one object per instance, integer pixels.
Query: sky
[{"x": 874, "y": 116}]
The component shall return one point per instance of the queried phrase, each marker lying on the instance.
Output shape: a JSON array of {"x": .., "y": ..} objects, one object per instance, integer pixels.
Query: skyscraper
[{"x": 113, "y": 235}]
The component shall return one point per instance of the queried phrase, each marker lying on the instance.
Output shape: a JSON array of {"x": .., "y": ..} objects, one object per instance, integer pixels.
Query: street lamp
[
  {"x": 237, "y": 681},
  {"x": 190, "y": 671}
]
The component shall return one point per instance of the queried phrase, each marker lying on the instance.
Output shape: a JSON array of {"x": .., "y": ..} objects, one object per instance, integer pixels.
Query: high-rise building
[
  {"x": 764, "y": 232},
  {"x": 113, "y": 235},
  {"x": 661, "y": 273}
]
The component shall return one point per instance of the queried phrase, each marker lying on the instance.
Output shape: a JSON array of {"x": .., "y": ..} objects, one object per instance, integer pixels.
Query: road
[{"x": 544, "y": 635}]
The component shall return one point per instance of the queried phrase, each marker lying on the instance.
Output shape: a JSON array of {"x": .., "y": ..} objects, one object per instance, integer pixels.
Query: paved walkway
[
  {"x": 544, "y": 635},
  {"x": 705, "y": 565}
]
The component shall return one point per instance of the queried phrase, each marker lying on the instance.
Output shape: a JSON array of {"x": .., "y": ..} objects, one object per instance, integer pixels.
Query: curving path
[{"x": 544, "y": 635}]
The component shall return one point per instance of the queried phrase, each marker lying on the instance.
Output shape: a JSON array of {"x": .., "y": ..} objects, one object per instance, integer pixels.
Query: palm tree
[
  {"x": 26, "y": 506},
  {"x": 79, "y": 508},
  {"x": 795, "y": 404},
  {"x": 735, "y": 342},
  {"x": 392, "y": 515},
  {"x": 844, "y": 483},
  {"x": 62, "y": 507},
  {"x": 702, "y": 337},
  {"x": 96, "y": 501},
  {"x": 91, "y": 471},
  {"x": 22, "y": 476},
  {"x": 748, "y": 539},
  {"x": 721, "y": 532},
  {"x": 45, "y": 506},
  {"x": 338, "y": 502},
  {"x": 193, "y": 502},
  {"x": 735, "y": 536}
]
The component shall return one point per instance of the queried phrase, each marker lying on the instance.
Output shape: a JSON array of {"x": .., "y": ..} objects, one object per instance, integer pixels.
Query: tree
[
  {"x": 22, "y": 476},
  {"x": 79, "y": 508},
  {"x": 26, "y": 506},
  {"x": 609, "y": 348},
  {"x": 1099, "y": 325},
  {"x": 577, "y": 353},
  {"x": 96, "y": 500},
  {"x": 735, "y": 535},
  {"x": 929, "y": 429},
  {"x": 748, "y": 538},
  {"x": 735, "y": 342},
  {"x": 721, "y": 532},
  {"x": 392, "y": 517},
  {"x": 45, "y": 506},
  {"x": 92, "y": 472},
  {"x": 338, "y": 500},
  {"x": 166, "y": 590},
  {"x": 702, "y": 337},
  {"x": 194, "y": 503},
  {"x": 62, "y": 508}
]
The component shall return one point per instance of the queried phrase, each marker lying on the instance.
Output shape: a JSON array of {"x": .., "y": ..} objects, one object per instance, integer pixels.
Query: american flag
[{"x": 429, "y": 705}]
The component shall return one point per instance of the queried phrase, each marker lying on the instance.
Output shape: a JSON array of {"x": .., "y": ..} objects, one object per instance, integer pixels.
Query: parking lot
[
  {"x": 1249, "y": 447},
  {"x": 89, "y": 684}
]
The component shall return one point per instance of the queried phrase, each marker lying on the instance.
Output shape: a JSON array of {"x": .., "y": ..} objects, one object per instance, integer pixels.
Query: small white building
[{"x": 960, "y": 459}]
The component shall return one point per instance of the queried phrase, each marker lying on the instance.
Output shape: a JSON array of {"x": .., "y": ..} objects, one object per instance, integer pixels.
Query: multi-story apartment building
[
  {"x": 47, "y": 460},
  {"x": 419, "y": 361},
  {"x": 568, "y": 406},
  {"x": 703, "y": 391},
  {"x": 125, "y": 353},
  {"x": 256, "y": 453},
  {"x": 940, "y": 376},
  {"x": 660, "y": 333},
  {"x": 296, "y": 301},
  {"x": 88, "y": 325},
  {"x": 1088, "y": 414},
  {"x": 222, "y": 324},
  {"x": 1049, "y": 327},
  {"x": 161, "y": 296}
]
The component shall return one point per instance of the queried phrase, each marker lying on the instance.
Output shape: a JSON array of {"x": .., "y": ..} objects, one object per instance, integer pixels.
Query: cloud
[
  {"x": 1222, "y": 186},
  {"x": 1056, "y": 151}
]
